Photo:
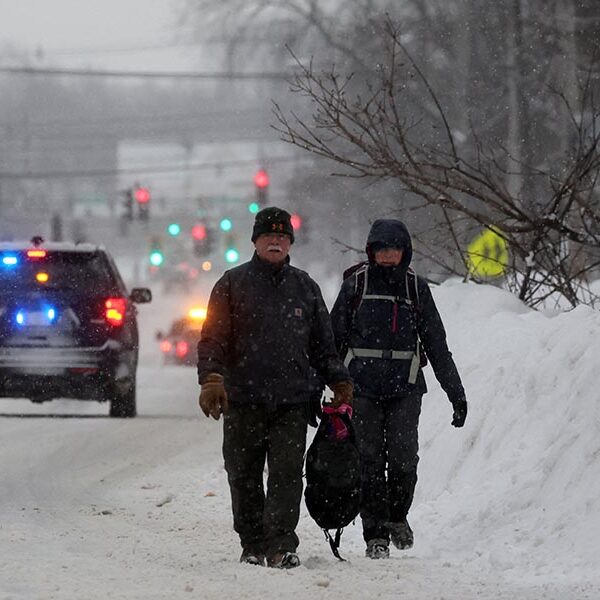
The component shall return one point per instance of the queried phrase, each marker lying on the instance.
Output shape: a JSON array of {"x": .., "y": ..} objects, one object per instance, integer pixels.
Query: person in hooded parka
[
  {"x": 385, "y": 320},
  {"x": 267, "y": 328}
]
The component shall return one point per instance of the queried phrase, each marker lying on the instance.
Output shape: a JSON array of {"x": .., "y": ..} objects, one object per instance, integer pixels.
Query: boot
[
  {"x": 252, "y": 558},
  {"x": 283, "y": 560},
  {"x": 377, "y": 548},
  {"x": 401, "y": 535}
]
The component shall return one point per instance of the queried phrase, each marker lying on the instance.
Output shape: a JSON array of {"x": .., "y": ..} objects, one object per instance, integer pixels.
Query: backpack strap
[
  {"x": 360, "y": 288},
  {"x": 412, "y": 295},
  {"x": 334, "y": 543},
  {"x": 412, "y": 290},
  {"x": 359, "y": 272}
]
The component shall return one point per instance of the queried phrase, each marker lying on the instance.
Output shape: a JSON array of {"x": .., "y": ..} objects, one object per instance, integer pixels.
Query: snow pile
[{"x": 518, "y": 489}]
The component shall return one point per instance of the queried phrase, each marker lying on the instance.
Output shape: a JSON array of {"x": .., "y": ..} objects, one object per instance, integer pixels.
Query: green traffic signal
[
  {"x": 226, "y": 224},
  {"x": 174, "y": 229},
  {"x": 156, "y": 258},
  {"x": 232, "y": 255},
  {"x": 253, "y": 207}
]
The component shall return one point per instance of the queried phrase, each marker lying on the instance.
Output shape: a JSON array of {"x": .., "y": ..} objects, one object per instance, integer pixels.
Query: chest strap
[
  {"x": 414, "y": 357},
  {"x": 379, "y": 297}
]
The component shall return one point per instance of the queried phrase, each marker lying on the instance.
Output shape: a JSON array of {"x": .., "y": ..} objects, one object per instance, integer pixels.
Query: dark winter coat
[
  {"x": 388, "y": 325},
  {"x": 265, "y": 328}
]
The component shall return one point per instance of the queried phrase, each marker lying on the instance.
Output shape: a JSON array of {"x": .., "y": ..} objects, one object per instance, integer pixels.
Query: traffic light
[
  {"x": 232, "y": 254},
  {"x": 174, "y": 229},
  {"x": 261, "y": 183},
  {"x": 156, "y": 256},
  {"x": 301, "y": 223},
  {"x": 142, "y": 197},
  {"x": 199, "y": 231},
  {"x": 225, "y": 224},
  {"x": 201, "y": 240},
  {"x": 296, "y": 221},
  {"x": 128, "y": 205}
]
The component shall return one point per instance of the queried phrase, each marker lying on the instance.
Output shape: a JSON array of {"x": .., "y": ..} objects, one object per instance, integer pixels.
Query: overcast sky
[{"x": 103, "y": 33}]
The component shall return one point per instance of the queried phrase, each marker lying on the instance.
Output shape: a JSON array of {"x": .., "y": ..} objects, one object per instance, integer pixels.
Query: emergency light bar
[{"x": 36, "y": 254}]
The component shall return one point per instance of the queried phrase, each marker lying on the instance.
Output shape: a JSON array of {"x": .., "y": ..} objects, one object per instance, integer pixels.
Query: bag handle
[
  {"x": 334, "y": 543},
  {"x": 340, "y": 419}
]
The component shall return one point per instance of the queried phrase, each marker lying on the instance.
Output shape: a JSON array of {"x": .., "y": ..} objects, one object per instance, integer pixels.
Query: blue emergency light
[
  {"x": 49, "y": 312},
  {"x": 9, "y": 260}
]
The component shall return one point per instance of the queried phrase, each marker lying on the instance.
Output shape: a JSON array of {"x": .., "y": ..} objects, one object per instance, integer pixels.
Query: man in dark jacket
[
  {"x": 266, "y": 328},
  {"x": 384, "y": 319}
]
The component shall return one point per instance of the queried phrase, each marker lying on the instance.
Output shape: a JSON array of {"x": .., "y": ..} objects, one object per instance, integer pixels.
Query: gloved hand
[
  {"x": 342, "y": 393},
  {"x": 460, "y": 412},
  {"x": 213, "y": 397}
]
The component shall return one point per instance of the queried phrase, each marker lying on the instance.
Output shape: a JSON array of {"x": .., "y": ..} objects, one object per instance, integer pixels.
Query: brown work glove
[
  {"x": 342, "y": 393},
  {"x": 213, "y": 397}
]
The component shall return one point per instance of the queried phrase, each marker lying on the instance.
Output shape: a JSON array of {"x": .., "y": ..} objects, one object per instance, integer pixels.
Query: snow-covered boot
[
  {"x": 401, "y": 535},
  {"x": 284, "y": 560},
  {"x": 377, "y": 548},
  {"x": 252, "y": 558}
]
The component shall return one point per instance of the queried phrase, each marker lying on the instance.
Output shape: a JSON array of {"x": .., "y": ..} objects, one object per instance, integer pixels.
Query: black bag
[{"x": 332, "y": 493}]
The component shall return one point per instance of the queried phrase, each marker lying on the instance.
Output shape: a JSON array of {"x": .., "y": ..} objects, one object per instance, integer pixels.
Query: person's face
[
  {"x": 273, "y": 247},
  {"x": 388, "y": 257}
]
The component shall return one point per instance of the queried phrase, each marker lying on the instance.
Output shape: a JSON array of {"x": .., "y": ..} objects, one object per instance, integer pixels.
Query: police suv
[{"x": 68, "y": 326}]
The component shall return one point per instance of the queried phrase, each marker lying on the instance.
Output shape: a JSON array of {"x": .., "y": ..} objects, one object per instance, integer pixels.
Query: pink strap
[
  {"x": 338, "y": 428},
  {"x": 342, "y": 409}
]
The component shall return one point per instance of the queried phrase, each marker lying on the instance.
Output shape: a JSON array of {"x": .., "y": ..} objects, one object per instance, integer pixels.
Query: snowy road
[{"x": 95, "y": 508}]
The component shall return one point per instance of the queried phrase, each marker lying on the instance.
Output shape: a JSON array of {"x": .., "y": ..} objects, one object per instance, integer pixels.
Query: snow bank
[{"x": 517, "y": 489}]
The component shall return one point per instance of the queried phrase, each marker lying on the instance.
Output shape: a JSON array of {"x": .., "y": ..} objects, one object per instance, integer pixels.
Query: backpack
[
  {"x": 333, "y": 481},
  {"x": 412, "y": 298}
]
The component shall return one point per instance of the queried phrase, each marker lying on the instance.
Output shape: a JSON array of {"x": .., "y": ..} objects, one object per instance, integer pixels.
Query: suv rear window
[{"x": 84, "y": 272}]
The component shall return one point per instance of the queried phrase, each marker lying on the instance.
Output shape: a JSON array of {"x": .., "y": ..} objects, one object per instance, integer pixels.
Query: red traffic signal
[
  {"x": 296, "y": 221},
  {"x": 142, "y": 195},
  {"x": 199, "y": 231},
  {"x": 261, "y": 179}
]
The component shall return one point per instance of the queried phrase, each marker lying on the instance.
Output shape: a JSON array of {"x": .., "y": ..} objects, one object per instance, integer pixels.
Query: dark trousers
[
  {"x": 387, "y": 437},
  {"x": 254, "y": 433}
]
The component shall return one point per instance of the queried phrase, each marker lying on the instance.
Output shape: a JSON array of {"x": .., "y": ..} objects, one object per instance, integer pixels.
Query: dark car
[
  {"x": 180, "y": 345},
  {"x": 68, "y": 326}
]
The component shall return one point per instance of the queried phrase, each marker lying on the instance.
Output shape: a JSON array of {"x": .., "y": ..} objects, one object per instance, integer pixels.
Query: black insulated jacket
[
  {"x": 265, "y": 329},
  {"x": 386, "y": 321}
]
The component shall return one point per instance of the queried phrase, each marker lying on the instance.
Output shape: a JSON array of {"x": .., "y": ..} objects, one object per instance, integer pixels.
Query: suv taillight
[{"x": 114, "y": 312}]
